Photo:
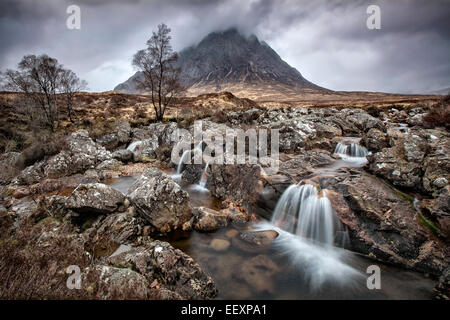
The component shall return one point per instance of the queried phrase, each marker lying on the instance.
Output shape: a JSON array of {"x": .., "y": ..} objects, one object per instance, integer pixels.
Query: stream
[{"x": 293, "y": 266}]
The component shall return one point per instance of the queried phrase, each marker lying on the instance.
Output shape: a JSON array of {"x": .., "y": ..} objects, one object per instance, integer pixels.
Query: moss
[
  {"x": 146, "y": 159},
  {"x": 430, "y": 225},
  {"x": 47, "y": 220},
  {"x": 87, "y": 224}
]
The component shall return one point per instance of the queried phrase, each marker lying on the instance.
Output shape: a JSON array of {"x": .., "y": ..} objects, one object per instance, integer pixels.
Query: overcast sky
[{"x": 327, "y": 41}]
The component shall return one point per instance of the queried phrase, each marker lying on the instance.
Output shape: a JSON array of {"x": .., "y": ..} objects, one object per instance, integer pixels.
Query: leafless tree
[
  {"x": 71, "y": 84},
  {"x": 41, "y": 79},
  {"x": 160, "y": 76}
]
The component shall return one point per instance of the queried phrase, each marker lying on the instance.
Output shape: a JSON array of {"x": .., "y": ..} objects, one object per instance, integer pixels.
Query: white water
[
  {"x": 319, "y": 264},
  {"x": 132, "y": 147},
  {"x": 351, "y": 152},
  {"x": 302, "y": 211},
  {"x": 204, "y": 176},
  {"x": 182, "y": 161}
]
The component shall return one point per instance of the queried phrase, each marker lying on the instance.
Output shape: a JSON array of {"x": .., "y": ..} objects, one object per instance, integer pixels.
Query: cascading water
[
  {"x": 305, "y": 212},
  {"x": 351, "y": 150},
  {"x": 132, "y": 147},
  {"x": 182, "y": 161},
  {"x": 204, "y": 176}
]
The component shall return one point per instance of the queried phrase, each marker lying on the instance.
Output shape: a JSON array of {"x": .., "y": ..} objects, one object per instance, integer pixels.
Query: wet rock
[
  {"x": 254, "y": 241},
  {"x": 382, "y": 223},
  {"x": 95, "y": 198},
  {"x": 64, "y": 184},
  {"x": 259, "y": 273},
  {"x": 192, "y": 173},
  {"x": 170, "y": 268},
  {"x": 219, "y": 244},
  {"x": 160, "y": 200},
  {"x": 236, "y": 182},
  {"x": 207, "y": 220},
  {"x": 110, "y": 141}
]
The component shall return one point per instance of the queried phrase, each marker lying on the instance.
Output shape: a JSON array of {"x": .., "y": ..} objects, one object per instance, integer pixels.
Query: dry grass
[{"x": 438, "y": 115}]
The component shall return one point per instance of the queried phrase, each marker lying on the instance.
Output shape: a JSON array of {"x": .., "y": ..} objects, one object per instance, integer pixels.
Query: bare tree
[
  {"x": 41, "y": 79},
  {"x": 160, "y": 76},
  {"x": 71, "y": 84}
]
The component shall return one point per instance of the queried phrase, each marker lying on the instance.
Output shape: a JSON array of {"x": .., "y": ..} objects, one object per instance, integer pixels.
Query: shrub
[{"x": 438, "y": 115}]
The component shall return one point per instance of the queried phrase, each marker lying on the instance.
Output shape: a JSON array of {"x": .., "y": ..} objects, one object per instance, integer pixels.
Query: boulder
[
  {"x": 8, "y": 162},
  {"x": 383, "y": 224},
  {"x": 109, "y": 283},
  {"x": 170, "y": 268},
  {"x": 123, "y": 155},
  {"x": 208, "y": 220},
  {"x": 160, "y": 200},
  {"x": 95, "y": 198}
]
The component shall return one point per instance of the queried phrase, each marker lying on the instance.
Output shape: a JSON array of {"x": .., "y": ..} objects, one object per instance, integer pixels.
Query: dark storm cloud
[{"x": 327, "y": 41}]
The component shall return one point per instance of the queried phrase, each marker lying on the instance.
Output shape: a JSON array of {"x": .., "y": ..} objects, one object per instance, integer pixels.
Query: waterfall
[
  {"x": 204, "y": 176},
  {"x": 182, "y": 161},
  {"x": 132, "y": 147},
  {"x": 351, "y": 150},
  {"x": 303, "y": 211}
]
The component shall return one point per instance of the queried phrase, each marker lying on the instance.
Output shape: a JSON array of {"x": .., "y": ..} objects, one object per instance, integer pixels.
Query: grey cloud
[{"x": 327, "y": 41}]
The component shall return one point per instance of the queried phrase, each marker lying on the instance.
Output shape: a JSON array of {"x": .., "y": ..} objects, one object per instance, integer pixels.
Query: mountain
[{"x": 230, "y": 61}]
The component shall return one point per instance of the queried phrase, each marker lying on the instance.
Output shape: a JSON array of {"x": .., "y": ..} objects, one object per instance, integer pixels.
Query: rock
[
  {"x": 8, "y": 162},
  {"x": 375, "y": 140},
  {"x": 442, "y": 289},
  {"x": 170, "y": 268},
  {"x": 32, "y": 174},
  {"x": 441, "y": 210},
  {"x": 192, "y": 173},
  {"x": 111, "y": 164},
  {"x": 82, "y": 154},
  {"x": 160, "y": 200},
  {"x": 121, "y": 228},
  {"x": 109, "y": 283},
  {"x": 95, "y": 198},
  {"x": 219, "y": 245},
  {"x": 208, "y": 220},
  {"x": 123, "y": 155},
  {"x": 147, "y": 149},
  {"x": 259, "y": 273},
  {"x": 254, "y": 241},
  {"x": 110, "y": 141},
  {"x": 382, "y": 223},
  {"x": 236, "y": 182}
]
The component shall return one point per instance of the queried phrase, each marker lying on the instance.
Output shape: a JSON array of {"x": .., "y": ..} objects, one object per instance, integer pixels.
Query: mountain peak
[{"x": 224, "y": 59}]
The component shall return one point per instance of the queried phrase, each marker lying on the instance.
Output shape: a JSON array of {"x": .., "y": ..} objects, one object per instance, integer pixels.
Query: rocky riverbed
[{"x": 115, "y": 207}]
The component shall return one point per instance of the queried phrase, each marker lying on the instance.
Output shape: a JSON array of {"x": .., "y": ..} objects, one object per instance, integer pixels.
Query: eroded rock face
[
  {"x": 160, "y": 200},
  {"x": 95, "y": 198},
  {"x": 208, "y": 220},
  {"x": 384, "y": 225},
  {"x": 169, "y": 268}
]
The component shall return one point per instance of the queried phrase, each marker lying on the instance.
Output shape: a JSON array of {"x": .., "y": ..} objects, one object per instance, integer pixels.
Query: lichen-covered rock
[
  {"x": 375, "y": 140},
  {"x": 95, "y": 198},
  {"x": 160, "y": 200},
  {"x": 170, "y": 268},
  {"x": 109, "y": 283},
  {"x": 123, "y": 155},
  {"x": 208, "y": 220}
]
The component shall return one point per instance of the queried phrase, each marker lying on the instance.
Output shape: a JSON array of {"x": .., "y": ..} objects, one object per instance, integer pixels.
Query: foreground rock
[
  {"x": 169, "y": 268},
  {"x": 208, "y": 220},
  {"x": 385, "y": 225},
  {"x": 160, "y": 200},
  {"x": 95, "y": 198}
]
